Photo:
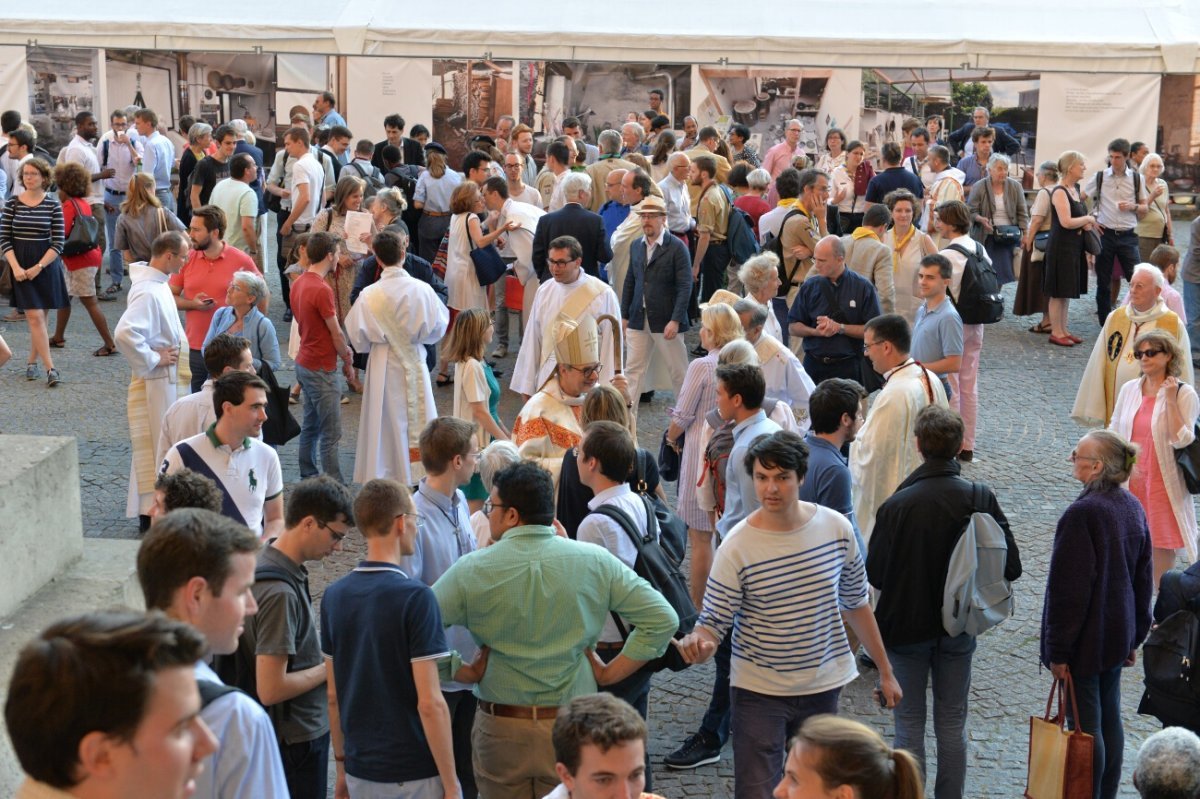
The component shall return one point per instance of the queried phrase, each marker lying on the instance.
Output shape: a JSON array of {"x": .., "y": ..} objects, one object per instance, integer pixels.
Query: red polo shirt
[{"x": 212, "y": 277}]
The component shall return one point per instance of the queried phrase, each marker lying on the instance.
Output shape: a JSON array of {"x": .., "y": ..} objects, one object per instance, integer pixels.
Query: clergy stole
[
  {"x": 1119, "y": 333},
  {"x": 143, "y": 440},
  {"x": 573, "y": 308},
  {"x": 412, "y": 358}
]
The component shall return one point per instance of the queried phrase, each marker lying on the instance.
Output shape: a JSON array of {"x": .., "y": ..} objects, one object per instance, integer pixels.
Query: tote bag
[{"x": 1060, "y": 762}]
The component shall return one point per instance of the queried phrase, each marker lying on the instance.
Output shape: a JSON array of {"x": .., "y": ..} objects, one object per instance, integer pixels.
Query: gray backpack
[{"x": 976, "y": 596}]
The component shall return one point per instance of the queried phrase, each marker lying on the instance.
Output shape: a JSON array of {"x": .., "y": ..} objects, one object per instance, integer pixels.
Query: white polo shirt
[{"x": 248, "y": 476}]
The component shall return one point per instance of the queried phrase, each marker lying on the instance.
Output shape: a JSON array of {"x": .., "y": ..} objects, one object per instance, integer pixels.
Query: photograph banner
[
  {"x": 602, "y": 96},
  {"x": 377, "y": 87},
  {"x": 1085, "y": 111},
  {"x": 468, "y": 98}
]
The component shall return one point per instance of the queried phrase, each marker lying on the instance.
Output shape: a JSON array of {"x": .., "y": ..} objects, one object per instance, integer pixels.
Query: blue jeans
[
  {"x": 199, "y": 369},
  {"x": 322, "y": 424},
  {"x": 634, "y": 689},
  {"x": 166, "y": 198},
  {"x": 1099, "y": 698},
  {"x": 1122, "y": 246},
  {"x": 715, "y": 724},
  {"x": 1191, "y": 306},
  {"x": 116, "y": 263},
  {"x": 949, "y": 661},
  {"x": 306, "y": 767},
  {"x": 762, "y": 725}
]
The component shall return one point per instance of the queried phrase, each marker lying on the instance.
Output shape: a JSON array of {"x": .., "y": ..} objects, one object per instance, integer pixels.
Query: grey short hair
[
  {"x": 609, "y": 142},
  {"x": 738, "y": 351},
  {"x": 634, "y": 126},
  {"x": 1152, "y": 158},
  {"x": 758, "y": 271},
  {"x": 758, "y": 179},
  {"x": 687, "y": 159},
  {"x": 1168, "y": 765},
  {"x": 392, "y": 199},
  {"x": 1152, "y": 271},
  {"x": 1116, "y": 456},
  {"x": 986, "y": 113},
  {"x": 252, "y": 283},
  {"x": 496, "y": 457},
  {"x": 574, "y": 184},
  {"x": 758, "y": 313},
  {"x": 999, "y": 158},
  {"x": 199, "y": 131}
]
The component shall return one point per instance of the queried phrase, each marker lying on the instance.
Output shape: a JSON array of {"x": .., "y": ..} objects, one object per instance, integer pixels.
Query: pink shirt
[
  {"x": 780, "y": 157},
  {"x": 211, "y": 277}
]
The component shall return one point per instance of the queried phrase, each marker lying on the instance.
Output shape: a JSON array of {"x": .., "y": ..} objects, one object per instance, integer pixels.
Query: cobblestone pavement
[{"x": 1024, "y": 438}]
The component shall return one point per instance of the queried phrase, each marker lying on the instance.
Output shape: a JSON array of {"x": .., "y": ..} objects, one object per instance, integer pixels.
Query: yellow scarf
[
  {"x": 900, "y": 245},
  {"x": 794, "y": 202},
  {"x": 862, "y": 233}
]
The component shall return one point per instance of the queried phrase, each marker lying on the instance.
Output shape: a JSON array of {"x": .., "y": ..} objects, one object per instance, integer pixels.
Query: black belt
[
  {"x": 826, "y": 359},
  {"x": 1119, "y": 232},
  {"x": 114, "y": 191}
]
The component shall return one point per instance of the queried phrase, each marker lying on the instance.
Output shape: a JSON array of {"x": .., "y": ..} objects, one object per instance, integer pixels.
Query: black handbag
[
  {"x": 489, "y": 264},
  {"x": 1188, "y": 458},
  {"x": 1006, "y": 235},
  {"x": 669, "y": 459},
  {"x": 1091, "y": 242},
  {"x": 1041, "y": 240},
  {"x": 85, "y": 232},
  {"x": 280, "y": 426}
]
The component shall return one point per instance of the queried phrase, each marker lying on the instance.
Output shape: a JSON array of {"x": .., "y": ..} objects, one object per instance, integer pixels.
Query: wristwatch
[{"x": 842, "y": 329}]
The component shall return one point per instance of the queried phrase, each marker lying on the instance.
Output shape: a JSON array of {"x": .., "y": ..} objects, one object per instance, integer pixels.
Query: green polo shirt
[{"x": 538, "y": 601}]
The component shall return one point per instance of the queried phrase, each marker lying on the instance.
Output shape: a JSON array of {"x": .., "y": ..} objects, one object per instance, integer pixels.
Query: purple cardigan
[{"x": 1098, "y": 590}]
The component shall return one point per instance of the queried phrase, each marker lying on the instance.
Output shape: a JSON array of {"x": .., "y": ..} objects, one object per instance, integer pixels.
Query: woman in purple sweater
[{"x": 1098, "y": 591}]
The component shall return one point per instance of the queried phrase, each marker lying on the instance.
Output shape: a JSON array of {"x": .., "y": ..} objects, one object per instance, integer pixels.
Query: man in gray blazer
[
  {"x": 654, "y": 299},
  {"x": 867, "y": 255}
]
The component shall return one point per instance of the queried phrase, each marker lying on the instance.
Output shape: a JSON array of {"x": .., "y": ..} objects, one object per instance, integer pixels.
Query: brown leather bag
[{"x": 1060, "y": 762}]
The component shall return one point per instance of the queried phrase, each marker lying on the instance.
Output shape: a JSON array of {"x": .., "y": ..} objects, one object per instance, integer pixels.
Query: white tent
[{"x": 1148, "y": 37}]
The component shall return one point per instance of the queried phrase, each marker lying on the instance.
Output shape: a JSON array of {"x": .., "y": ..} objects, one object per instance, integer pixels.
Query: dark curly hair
[{"x": 73, "y": 180}]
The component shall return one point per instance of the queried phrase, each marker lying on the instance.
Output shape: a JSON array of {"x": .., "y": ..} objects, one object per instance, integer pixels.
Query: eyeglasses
[
  {"x": 420, "y": 520},
  {"x": 334, "y": 534},
  {"x": 1147, "y": 353},
  {"x": 489, "y": 506},
  {"x": 559, "y": 262},
  {"x": 1075, "y": 456},
  {"x": 867, "y": 345},
  {"x": 512, "y": 166},
  {"x": 586, "y": 371}
]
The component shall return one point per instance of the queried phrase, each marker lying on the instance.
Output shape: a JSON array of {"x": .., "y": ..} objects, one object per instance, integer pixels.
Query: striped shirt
[
  {"x": 783, "y": 594},
  {"x": 37, "y": 224}
]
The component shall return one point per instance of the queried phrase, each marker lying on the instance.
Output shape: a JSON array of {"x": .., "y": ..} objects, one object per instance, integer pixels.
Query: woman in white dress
[
  {"x": 476, "y": 391},
  {"x": 908, "y": 245}
]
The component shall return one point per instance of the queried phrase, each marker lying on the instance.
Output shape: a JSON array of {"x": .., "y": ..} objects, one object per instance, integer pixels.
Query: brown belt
[
  {"x": 435, "y": 213},
  {"x": 517, "y": 711},
  {"x": 604, "y": 646}
]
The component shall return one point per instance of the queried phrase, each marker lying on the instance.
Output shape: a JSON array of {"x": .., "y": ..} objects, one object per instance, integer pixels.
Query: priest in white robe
[
  {"x": 518, "y": 243},
  {"x": 885, "y": 450},
  {"x": 1111, "y": 363},
  {"x": 787, "y": 382},
  {"x": 393, "y": 319},
  {"x": 570, "y": 295},
  {"x": 548, "y": 425},
  {"x": 150, "y": 337}
]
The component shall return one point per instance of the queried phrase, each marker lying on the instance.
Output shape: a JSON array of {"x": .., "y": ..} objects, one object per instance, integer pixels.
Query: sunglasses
[{"x": 1147, "y": 353}]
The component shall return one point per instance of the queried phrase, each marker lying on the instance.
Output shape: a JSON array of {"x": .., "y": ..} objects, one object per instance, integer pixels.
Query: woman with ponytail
[
  {"x": 842, "y": 759},
  {"x": 1097, "y": 607}
]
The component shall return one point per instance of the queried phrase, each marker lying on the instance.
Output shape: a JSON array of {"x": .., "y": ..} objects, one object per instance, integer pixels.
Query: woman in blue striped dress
[{"x": 31, "y": 241}]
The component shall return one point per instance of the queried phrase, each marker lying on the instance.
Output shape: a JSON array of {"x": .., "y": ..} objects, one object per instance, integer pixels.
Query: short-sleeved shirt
[
  {"x": 212, "y": 277},
  {"x": 890, "y": 179},
  {"x": 207, "y": 174},
  {"x": 375, "y": 623},
  {"x": 712, "y": 214},
  {"x": 313, "y": 303},
  {"x": 237, "y": 200},
  {"x": 284, "y": 626},
  {"x": 827, "y": 481},
  {"x": 306, "y": 171},
  {"x": 248, "y": 475},
  {"x": 937, "y": 334},
  {"x": 855, "y": 303}
]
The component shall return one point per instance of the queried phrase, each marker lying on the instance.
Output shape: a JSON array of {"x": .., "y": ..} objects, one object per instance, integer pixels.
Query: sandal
[
  {"x": 1041, "y": 328},
  {"x": 58, "y": 343},
  {"x": 104, "y": 352},
  {"x": 444, "y": 380}
]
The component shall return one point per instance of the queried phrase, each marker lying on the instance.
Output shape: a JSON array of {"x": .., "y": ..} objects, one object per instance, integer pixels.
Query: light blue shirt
[
  {"x": 3, "y": 183},
  {"x": 246, "y": 764},
  {"x": 740, "y": 498},
  {"x": 159, "y": 158},
  {"x": 257, "y": 329},
  {"x": 331, "y": 118},
  {"x": 937, "y": 334},
  {"x": 444, "y": 537},
  {"x": 435, "y": 192}
]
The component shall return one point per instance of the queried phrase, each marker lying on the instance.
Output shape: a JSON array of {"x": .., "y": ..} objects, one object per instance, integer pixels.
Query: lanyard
[{"x": 453, "y": 520}]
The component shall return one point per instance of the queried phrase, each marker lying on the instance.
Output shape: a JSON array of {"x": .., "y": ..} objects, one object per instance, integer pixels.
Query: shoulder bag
[
  {"x": 489, "y": 264},
  {"x": 85, "y": 232},
  {"x": 1188, "y": 458},
  {"x": 1060, "y": 762}
]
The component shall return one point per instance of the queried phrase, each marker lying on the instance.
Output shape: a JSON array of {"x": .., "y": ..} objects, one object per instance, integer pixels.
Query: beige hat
[
  {"x": 721, "y": 297},
  {"x": 577, "y": 343},
  {"x": 651, "y": 205}
]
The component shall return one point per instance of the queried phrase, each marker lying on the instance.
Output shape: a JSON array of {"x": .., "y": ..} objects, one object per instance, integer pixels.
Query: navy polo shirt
[
  {"x": 890, "y": 179},
  {"x": 855, "y": 303},
  {"x": 827, "y": 481}
]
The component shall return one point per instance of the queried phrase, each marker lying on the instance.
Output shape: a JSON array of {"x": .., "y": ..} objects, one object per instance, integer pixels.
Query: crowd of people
[{"x": 817, "y": 435}]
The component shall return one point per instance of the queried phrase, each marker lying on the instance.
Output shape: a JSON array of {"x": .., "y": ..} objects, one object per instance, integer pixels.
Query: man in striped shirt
[{"x": 786, "y": 580}]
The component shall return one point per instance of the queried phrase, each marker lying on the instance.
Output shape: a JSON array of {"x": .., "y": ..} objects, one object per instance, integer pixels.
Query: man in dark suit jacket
[
  {"x": 654, "y": 299},
  {"x": 573, "y": 219},
  {"x": 393, "y": 126},
  {"x": 979, "y": 119}
]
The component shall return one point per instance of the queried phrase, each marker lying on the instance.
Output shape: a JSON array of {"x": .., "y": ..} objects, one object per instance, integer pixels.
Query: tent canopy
[{"x": 1153, "y": 36}]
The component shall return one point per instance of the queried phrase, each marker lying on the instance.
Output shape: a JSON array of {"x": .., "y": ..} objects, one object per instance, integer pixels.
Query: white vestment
[
  {"x": 150, "y": 322},
  {"x": 785, "y": 377},
  {"x": 885, "y": 451},
  {"x": 548, "y": 426},
  {"x": 536, "y": 361},
  {"x": 393, "y": 319},
  {"x": 518, "y": 243}
]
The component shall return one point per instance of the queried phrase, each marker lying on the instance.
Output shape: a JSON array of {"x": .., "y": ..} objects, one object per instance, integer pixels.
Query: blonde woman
[
  {"x": 719, "y": 325},
  {"x": 432, "y": 196},
  {"x": 833, "y": 756},
  {"x": 476, "y": 390},
  {"x": 143, "y": 219},
  {"x": 1155, "y": 227},
  {"x": 1066, "y": 264},
  {"x": 908, "y": 245}
]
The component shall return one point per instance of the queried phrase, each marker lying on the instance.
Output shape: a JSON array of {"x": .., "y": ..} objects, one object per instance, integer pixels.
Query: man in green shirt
[{"x": 539, "y": 602}]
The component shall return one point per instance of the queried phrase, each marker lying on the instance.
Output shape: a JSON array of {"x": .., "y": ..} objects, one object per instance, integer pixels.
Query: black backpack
[
  {"x": 1170, "y": 657},
  {"x": 373, "y": 179},
  {"x": 740, "y": 234},
  {"x": 238, "y": 670},
  {"x": 774, "y": 244},
  {"x": 656, "y": 567},
  {"x": 979, "y": 299}
]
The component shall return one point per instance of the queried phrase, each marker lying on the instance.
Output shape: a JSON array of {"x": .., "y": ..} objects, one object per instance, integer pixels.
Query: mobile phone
[{"x": 879, "y": 695}]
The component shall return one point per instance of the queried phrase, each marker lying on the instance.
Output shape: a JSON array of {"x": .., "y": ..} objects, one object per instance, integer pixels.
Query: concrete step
[{"x": 105, "y": 577}]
